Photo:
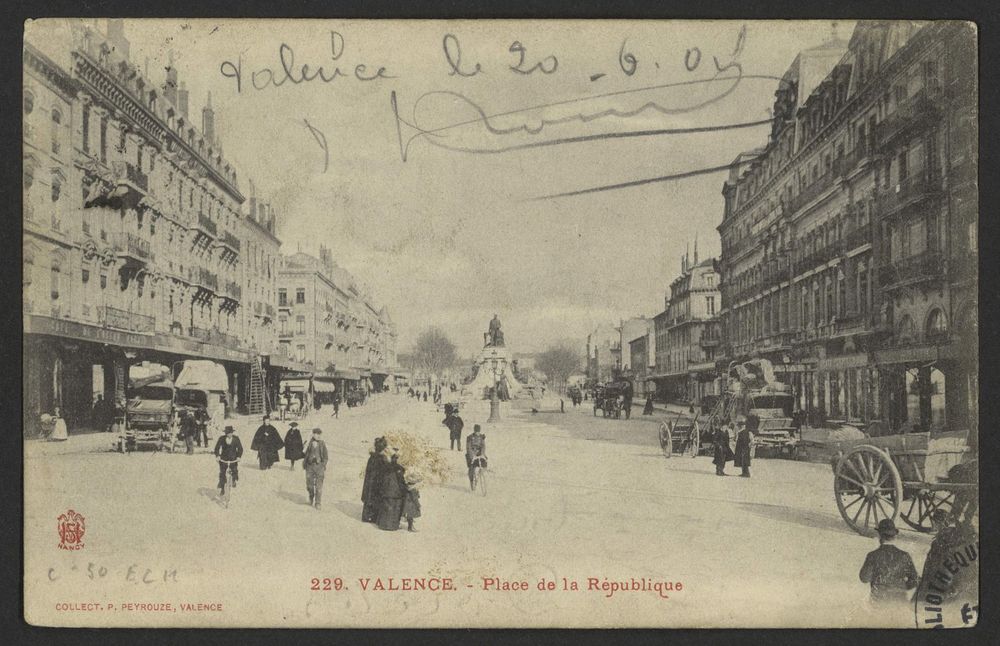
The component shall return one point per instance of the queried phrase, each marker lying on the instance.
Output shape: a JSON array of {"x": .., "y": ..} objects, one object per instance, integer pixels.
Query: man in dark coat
[
  {"x": 228, "y": 451},
  {"x": 189, "y": 430},
  {"x": 293, "y": 445},
  {"x": 316, "y": 457},
  {"x": 744, "y": 440},
  {"x": 888, "y": 569},
  {"x": 266, "y": 442},
  {"x": 475, "y": 447},
  {"x": 721, "y": 451},
  {"x": 392, "y": 491},
  {"x": 377, "y": 462},
  {"x": 336, "y": 404},
  {"x": 455, "y": 426},
  {"x": 648, "y": 408}
]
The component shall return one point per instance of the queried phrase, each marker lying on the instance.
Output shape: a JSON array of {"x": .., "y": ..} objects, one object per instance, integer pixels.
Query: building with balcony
[
  {"x": 847, "y": 239},
  {"x": 687, "y": 334},
  {"x": 329, "y": 328},
  {"x": 132, "y": 225}
]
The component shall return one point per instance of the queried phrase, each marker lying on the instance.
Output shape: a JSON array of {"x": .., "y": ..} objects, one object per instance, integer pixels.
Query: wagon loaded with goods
[{"x": 910, "y": 476}]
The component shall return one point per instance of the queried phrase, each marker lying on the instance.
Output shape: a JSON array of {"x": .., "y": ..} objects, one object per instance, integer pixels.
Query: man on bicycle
[
  {"x": 228, "y": 451},
  {"x": 475, "y": 451}
]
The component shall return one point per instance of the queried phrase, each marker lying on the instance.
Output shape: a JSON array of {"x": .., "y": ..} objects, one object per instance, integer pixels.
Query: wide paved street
[{"x": 570, "y": 496}]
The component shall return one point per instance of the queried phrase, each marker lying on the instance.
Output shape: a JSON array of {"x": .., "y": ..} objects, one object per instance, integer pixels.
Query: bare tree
[
  {"x": 558, "y": 363},
  {"x": 434, "y": 352}
]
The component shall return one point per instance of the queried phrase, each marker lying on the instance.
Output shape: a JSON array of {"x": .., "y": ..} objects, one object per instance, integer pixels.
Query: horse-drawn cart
[
  {"x": 680, "y": 435},
  {"x": 910, "y": 476},
  {"x": 608, "y": 399}
]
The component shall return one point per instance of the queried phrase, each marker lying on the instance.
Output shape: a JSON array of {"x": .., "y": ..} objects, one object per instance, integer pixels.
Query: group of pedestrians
[
  {"x": 390, "y": 491},
  {"x": 722, "y": 452}
]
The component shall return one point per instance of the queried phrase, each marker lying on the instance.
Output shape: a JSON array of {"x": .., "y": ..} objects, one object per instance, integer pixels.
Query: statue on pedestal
[{"x": 494, "y": 337}]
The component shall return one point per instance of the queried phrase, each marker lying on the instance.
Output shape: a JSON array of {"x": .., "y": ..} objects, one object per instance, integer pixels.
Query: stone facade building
[
  {"x": 687, "y": 334},
  {"x": 134, "y": 231},
  {"x": 849, "y": 254}
]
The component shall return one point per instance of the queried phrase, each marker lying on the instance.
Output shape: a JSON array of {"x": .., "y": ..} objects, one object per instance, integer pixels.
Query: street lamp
[{"x": 494, "y": 396}]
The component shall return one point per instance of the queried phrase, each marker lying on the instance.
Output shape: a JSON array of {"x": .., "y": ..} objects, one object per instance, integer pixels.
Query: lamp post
[{"x": 494, "y": 394}]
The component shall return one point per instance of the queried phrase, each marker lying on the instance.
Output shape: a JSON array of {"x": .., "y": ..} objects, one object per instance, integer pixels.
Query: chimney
[
  {"x": 170, "y": 85},
  {"x": 182, "y": 100},
  {"x": 116, "y": 34},
  {"x": 695, "y": 249},
  {"x": 208, "y": 120}
]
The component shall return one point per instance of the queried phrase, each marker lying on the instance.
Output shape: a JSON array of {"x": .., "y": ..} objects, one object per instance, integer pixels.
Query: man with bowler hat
[
  {"x": 315, "y": 465},
  {"x": 888, "y": 569},
  {"x": 228, "y": 451}
]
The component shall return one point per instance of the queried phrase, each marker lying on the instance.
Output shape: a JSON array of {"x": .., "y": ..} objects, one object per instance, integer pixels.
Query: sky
[{"x": 465, "y": 226}]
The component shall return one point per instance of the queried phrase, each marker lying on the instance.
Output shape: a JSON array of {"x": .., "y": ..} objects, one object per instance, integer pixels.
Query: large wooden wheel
[
  {"x": 666, "y": 439},
  {"x": 917, "y": 511},
  {"x": 867, "y": 488}
]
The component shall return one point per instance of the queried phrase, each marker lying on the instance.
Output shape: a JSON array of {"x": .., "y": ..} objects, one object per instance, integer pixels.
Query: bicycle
[
  {"x": 479, "y": 474},
  {"x": 227, "y": 491}
]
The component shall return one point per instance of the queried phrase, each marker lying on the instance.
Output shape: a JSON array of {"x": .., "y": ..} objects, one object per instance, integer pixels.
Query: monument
[{"x": 494, "y": 367}]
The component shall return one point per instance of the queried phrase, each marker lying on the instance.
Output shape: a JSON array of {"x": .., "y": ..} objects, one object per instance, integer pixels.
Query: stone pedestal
[{"x": 495, "y": 363}]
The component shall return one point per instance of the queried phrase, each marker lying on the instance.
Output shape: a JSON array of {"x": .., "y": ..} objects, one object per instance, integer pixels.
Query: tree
[
  {"x": 558, "y": 363},
  {"x": 434, "y": 352}
]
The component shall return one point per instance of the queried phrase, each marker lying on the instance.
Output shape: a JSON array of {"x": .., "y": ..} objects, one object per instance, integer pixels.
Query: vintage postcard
[{"x": 346, "y": 323}]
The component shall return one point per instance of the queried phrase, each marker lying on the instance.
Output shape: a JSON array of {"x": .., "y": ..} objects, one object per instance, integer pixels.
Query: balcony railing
[
  {"x": 231, "y": 241},
  {"x": 857, "y": 237},
  {"x": 922, "y": 266},
  {"x": 206, "y": 224},
  {"x": 918, "y": 109},
  {"x": 820, "y": 256},
  {"x": 207, "y": 279},
  {"x": 233, "y": 291},
  {"x": 132, "y": 246},
  {"x": 125, "y": 172},
  {"x": 916, "y": 188},
  {"x": 811, "y": 192}
]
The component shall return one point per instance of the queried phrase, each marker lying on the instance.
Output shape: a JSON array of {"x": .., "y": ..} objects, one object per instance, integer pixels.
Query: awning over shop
[
  {"x": 344, "y": 373},
  {"x": 858, "y": 360},
  {"x": 324, "y": 385},
  {"x": 915, "y": 354},
  {"x": 294, "y": 385}
]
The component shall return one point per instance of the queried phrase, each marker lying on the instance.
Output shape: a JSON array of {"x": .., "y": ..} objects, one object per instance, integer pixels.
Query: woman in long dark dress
[
  {"x": 293, "y": 445},
  {"x": 377, "y": 462},
  {"x": 744, "y": 440},
  {"x": 392, "y": 492}
]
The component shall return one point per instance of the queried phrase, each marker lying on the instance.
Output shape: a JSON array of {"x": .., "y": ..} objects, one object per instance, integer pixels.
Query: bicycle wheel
[{"x": 481, "y": 481}]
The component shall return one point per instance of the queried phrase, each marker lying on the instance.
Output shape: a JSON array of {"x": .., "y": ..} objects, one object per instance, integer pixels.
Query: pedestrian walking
[
  {"x": 888, "y": 569},
  {"x": 721, "y": 451},
  {"x": 455, "y": 426},
  {"x": 267, "y": 443},
  {"x": 648, "y": 408},
  {"x": 475, "y": 447},
  {"x": 189, "y": 430},
  {"x": 425, "y": 395},
  {"x": 59, "y": 432},
  {"x": 411, "y": 501},
  {"x": 293, "y": 445},
  {"x": 228, "y": 449},
  {"x": 744, "y": 440},
  {"x": 316, "y": 457},
  {"x": 336, "y": 404},
  {"x": 370, "y": 497},
  {"x": 392, "y": 490}
]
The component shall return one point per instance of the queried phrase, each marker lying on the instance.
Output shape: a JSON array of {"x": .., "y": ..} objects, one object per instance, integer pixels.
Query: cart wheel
[
  {"x": 923, "y": 504},
  {"x": 666, "y": 439},
  {"x": 867, "y": 488}
]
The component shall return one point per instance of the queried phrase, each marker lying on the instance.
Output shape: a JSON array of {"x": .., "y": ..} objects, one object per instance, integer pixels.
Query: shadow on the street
[
  {"x": 297, "y": 498},
  {"x": 350, "y": 509},
  {"x": 810, "y": 519},
  {"x": 212, "y": 494}
]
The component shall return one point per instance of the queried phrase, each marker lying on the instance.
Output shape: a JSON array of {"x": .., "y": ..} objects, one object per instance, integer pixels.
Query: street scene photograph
[{"x": 505, "y": 323}]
